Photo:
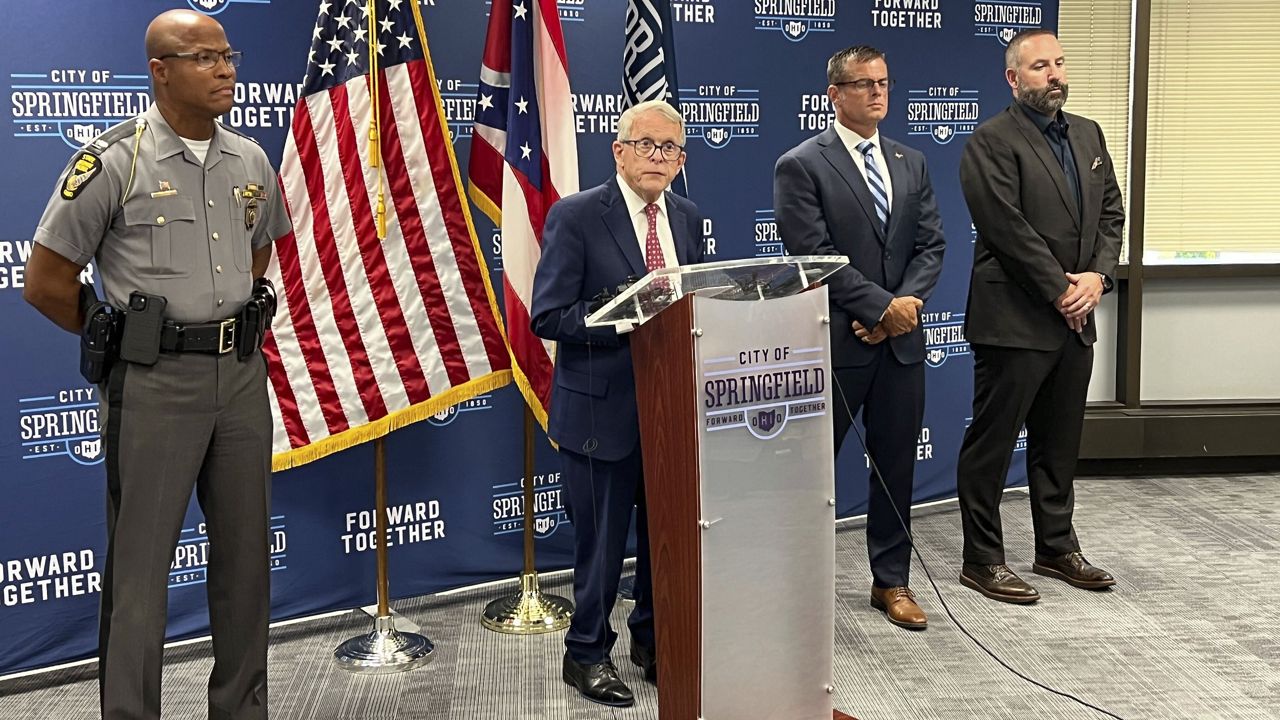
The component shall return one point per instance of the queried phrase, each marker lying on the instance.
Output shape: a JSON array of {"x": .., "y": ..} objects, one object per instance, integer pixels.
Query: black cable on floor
[{"x": 936, "y": 591}]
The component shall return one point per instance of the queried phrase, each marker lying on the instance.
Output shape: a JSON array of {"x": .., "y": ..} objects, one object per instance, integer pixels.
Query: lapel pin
[
  {"x": 898, "y": 155},
  {"x": 1096, "y": 162}
]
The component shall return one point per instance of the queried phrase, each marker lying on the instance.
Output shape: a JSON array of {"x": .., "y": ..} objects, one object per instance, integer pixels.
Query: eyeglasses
[
  {"x": 865, "y": 84},
  {"x": 644, "y": 147},
  {"x": 206, "y": 59}
]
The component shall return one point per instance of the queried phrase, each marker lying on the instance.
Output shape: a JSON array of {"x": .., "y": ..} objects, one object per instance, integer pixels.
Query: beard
[{"x": 1040, "y": 100}]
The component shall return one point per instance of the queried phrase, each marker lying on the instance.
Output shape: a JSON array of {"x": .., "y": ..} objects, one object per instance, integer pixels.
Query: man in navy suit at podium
[
  {"x": 851, "y": 191},
  {"x": 592, "y": 241}
]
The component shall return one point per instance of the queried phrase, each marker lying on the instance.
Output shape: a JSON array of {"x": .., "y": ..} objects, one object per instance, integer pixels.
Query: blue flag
[{"x": 649, "y": 62}]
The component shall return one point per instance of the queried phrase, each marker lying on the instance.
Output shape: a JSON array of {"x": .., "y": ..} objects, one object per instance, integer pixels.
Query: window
[
  {"x": 1095, "y": 35},
  {"x": 1213, "y": 157}
]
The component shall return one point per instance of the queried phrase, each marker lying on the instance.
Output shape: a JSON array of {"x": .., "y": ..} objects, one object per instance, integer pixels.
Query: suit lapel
[
  {"x": 1041, "y": 147},
  {"x": 679, "y": 234},
  {"x": 618, "y": 220},
  {"x": 838, "y": 155},
  {"x": 1084, "y": 151},
  {"x": 898, "y": 177}
]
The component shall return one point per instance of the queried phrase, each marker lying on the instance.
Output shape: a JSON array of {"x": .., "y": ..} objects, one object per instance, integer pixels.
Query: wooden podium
[{"x": 732, "y": 365}]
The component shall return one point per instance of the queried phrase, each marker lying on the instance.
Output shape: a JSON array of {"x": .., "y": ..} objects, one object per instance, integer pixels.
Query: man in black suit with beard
[{"x": 1043, "y": 196}]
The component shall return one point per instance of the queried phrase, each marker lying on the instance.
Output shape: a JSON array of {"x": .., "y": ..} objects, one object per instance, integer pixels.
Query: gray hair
[
  {"x": 858, "y": 54},
  {"x": 659, "y": 106},
  {"x": 1012, "y": 53}
]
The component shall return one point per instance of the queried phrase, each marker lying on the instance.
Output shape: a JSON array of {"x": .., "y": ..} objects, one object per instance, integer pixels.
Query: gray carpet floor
[{"x": 1190, "y": 631}]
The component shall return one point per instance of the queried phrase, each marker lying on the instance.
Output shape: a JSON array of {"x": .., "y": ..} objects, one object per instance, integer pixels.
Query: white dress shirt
[
  {"x": 851, "y": 141},
  {"x": 640, "y": 221}
]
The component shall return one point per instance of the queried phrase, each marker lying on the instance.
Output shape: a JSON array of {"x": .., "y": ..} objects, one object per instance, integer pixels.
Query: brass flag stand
[
  {"x": 529, "y": 611},
  {"x": 385, "y": 650}
]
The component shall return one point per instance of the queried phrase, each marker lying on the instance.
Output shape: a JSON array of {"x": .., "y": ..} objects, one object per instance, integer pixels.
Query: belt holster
[{"x": 99, "y": 340}]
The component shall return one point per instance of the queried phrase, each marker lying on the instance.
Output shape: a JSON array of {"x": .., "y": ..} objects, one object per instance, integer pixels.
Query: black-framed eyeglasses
[
  {"x": 206, "y": 59},
  {"x": 644, "y": 147},
  {"x": 865, "y": 84}
]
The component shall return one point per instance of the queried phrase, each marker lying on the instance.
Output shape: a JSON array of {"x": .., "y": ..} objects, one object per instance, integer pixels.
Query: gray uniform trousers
[{"x": 189, "y": 420}]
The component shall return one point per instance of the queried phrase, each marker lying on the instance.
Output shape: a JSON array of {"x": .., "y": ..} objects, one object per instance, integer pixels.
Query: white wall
[
  {"x": 1210, "y": 340},
  {"x": 1102, "y": 385}
]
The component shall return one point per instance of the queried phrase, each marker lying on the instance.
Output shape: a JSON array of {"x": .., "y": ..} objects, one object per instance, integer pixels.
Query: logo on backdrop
[
  {"x": 213, "y": 7},
  {"x": 64, "y": 424},
  {"x": 74, "y": 104},
  {"x": 191, "y": 555},
  {"x": 548, "y": 506},
  {"x": 942, "y": 113},
  {"x": 763, "y": 389},
  {"x": 907, "y": 14},
  {"x": 571, "y": 10},
  {"x": 708, "y": 238},
  {"x": 41, "y": 578},
  {"x": 13, "y": 265},
  {"x": 263, "y": 105},
  {"x": 597, "y": 113},
  {"x": 449, "y": 414},
  {"x": 695, "y": 12},
  {"x": 1002, "y": 19},
  {"x": 795, "y": 19},
  {"x": 407, "y": 524},
  {"x": 459, "y": 100},
  {"x": 943, "y": 336},
  {"x": 815, "y": 112},
  {"x": 768, "y": 243},
  {"x": 720, "y": 113},
  {"x": 924, "y": 448}
]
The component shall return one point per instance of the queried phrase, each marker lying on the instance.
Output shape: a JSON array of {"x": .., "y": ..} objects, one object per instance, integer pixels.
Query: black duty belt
[{"x": 215, "y": 338}]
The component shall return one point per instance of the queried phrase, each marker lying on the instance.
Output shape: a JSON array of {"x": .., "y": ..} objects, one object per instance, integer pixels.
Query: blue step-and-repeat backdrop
[{"x": 752, "y": 85}]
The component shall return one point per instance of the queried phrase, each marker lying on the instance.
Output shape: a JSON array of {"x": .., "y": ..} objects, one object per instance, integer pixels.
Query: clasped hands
[
  {"x": 900, "y": 318},
  {"x": 1079, "y": 299}
]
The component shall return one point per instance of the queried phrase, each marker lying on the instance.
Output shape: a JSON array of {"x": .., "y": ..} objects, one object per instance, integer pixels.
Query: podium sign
[
  {"x": 767, "y": 486},
  {"x": 733, "y": 386}
]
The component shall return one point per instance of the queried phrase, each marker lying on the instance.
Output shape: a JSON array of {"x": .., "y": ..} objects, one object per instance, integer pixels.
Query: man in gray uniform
[{"x": 173, "y": 204}]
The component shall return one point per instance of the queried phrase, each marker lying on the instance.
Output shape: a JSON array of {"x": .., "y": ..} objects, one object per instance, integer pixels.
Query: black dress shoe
[
  {"x": 998, "y": 582},
  {"x": 598, "y": 682},
  {"x": 1073, "y": 569},
  {"x": 646, "y": 658}
]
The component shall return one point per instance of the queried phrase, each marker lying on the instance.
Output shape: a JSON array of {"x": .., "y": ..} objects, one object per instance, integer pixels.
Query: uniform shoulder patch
[{"x": 83, "y": 170}]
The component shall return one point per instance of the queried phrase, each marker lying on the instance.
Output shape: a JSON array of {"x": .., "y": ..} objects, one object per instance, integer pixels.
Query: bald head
[
  {"x": 175, "y": 31},
  {"x": 190, "y": 91}
]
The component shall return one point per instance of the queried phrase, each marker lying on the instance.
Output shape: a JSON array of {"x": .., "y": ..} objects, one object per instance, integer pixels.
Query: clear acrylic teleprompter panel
[
  {"x": 752, "y": 279},
  {"x": 767, "y": 478}
]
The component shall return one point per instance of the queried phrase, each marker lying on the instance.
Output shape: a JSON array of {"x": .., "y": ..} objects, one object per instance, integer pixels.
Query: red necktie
[{"x": 652, "y": 248}]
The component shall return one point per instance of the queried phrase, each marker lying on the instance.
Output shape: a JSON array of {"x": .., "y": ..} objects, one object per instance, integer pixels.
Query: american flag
[
  {"x": 524, "y": 157},
  {"x": 374, "y": 334}
]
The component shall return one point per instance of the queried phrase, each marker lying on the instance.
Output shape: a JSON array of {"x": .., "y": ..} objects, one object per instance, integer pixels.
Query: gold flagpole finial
[{"x": 375, "y": 119}]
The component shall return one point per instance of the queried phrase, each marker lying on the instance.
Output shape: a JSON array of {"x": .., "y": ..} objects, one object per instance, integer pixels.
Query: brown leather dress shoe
[
  {"x": 899, "y": 606},
  {"x": 998, "y": 582},
  {"x": 1073, "y": 569}
]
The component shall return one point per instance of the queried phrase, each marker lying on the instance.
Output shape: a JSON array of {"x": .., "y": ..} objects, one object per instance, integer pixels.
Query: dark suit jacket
[
  {"x": 589, "y": 244},
  {"x": 1030, "y": 233},
  {"x": 823, "y": 207}
]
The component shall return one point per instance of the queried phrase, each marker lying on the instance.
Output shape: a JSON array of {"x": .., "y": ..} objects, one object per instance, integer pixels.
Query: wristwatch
[{"x": 1107, "y": 284}]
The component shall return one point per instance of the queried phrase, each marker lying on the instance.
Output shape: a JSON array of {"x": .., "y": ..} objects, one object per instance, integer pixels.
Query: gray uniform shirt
[{"x": 183, "y": 230}]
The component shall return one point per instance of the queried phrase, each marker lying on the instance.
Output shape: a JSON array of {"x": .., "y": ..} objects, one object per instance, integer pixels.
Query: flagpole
[
  {"x": 529, "y": 611},
  {"x": 385, "y": 650}
]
